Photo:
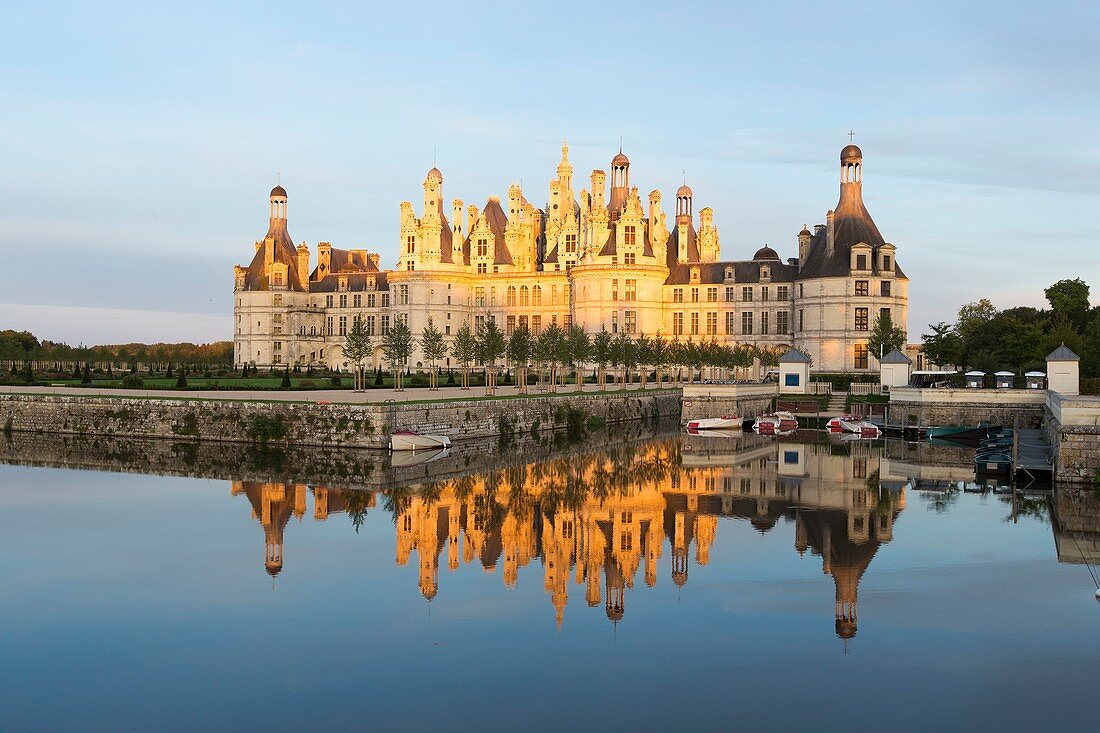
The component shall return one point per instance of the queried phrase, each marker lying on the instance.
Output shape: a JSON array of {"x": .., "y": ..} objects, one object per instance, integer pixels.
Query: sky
[{"x": 141, "y": 139}]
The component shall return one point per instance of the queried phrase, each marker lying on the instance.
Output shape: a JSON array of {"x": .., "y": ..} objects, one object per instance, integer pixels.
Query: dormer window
[
  {"x": 343, "y": 282},
  {"x": 729, "y": 274},
  {"x": 482, "y": 247},
  {"x": 695, "y": 274},
  {"x": 887, "y": 263},
  {"x": 765, "y": 272},
  {"x": 861, "y": 262}
]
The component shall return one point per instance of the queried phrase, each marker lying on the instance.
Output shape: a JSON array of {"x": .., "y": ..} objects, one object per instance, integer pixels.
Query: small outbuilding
[
  {"x": 975, "y": 380},
  {"x": 794, "y": 372},
  {"x": 1035, "y": 380},
  {"x": 1064, "y": 371},
  {"x": 1005, "y": 380},
  {"x": 894, "y": 370}
]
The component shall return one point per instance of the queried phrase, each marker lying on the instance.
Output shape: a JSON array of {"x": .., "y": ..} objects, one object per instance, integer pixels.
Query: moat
[{"x": 634, "y": 578}]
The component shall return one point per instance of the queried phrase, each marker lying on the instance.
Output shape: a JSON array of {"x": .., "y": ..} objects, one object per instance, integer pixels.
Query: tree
[
  {"x": 1069, "y": 299},
  {"x": 397, "y": 345},
  {"x": 434, "y": 346},
  {"x": 285, "y": 383},
  {"x": 973, "y": 316},
  {"x": 87, "y": 378},
  {"x": 519, "y": 353},
  {"x": 580, "y": 350},
  {"x": 464, "y": 351},
  {"x": 181, "y": 380},
  {"x": 491, "y": 345},
  {"x": 357, "y": 347},
  {"x": 943, "y": 346},
  {"x": 601, "y": 354},
  {"x": 885, "y": 337},
  {"x": 550, "y": 349}
]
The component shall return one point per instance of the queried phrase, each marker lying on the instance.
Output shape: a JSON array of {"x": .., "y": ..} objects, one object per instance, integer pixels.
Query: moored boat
[
  {"x": 779, "y": 422},
  {"x": 863, "y": 428},
  {"x": 834, "y": 424},
  {"x": 412, "y": 440},
  {"x": 726, "y": 422}
]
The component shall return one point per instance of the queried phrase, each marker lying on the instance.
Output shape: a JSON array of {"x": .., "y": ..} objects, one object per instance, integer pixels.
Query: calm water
[{"x": 668, "y": 583}]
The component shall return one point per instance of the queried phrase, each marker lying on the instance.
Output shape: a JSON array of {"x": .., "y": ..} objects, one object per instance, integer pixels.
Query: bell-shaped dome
[
  {"x": 435, "y": 174},
  {"x": 684, "y": 190},
  {"x": 620, "y": 159},
  {"x": 766, "y": 253},
  {"x": 278, "y": 191},
  {"x": 851, "y": 154},
  {"x": 805, "y": 231}
]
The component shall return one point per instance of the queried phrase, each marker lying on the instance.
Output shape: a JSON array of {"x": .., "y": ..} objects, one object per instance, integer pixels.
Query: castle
[{"x": 600, "y": 259}]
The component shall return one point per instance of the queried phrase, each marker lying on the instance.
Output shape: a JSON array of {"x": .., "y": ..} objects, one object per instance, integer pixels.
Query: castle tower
[
  {"x": 683, "y": 204},
  {"x": 278, "y": 207},
  {"x": 620, "y": 184}
]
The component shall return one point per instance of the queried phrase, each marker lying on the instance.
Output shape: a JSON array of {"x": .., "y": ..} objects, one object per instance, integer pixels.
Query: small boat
[
  {"x": 993, "y": 463},
  {"x": 863, "y": 428},
  {"x": 412, "y": 440},
  {"x": 834, "y": 424},
  {"x": 962, "y": 433},
  {"x": 779, "y": 422},
  {"x": 726, "y": 422}
]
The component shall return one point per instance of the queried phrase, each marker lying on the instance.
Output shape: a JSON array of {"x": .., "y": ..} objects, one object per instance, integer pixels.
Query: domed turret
[
  {"x": 278, "y": 191},
  {"x": 435, "y": 174},
  {"x": 620, "y": 159},
  {"x": 684, "y": 190},
  {"x": 851, "y": 154},
  {"x": 766, "y": 253}
]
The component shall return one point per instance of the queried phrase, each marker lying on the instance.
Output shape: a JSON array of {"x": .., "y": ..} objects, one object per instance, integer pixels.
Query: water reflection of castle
[{"x": 600, "y": 519}]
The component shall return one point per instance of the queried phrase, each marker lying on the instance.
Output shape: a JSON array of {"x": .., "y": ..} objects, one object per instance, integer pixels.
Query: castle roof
[{"x": 896, "y": 357}]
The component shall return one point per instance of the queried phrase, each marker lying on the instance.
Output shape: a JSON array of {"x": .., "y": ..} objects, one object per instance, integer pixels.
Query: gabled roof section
[
  {"x": 744, "y": 273},
  {"x": 794, "y": 356},
  {"x": 896, "y": 357},
  {"x": 1062, "y": 353}
]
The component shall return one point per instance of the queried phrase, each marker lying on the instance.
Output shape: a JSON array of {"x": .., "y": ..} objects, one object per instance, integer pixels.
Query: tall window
[
  {"x": 524, "y": 296},
  {"x": 746, "y": 294},
  {"x": 570, "y": 242},
  {"x": 861, "y": 319},
  {"x": 712, "y": 295},
  {"x": 677, "y": 324},
  {"x": 886, "y": 264},
  {"x": 746, "y": 323},
  {"x": 482, "y": 247},
  {"x": 410, "y": 244},
  {"x": 859, "y": 360},
  {"x": 694, "y": 324},
  {"x": 370, "y": 325},
  {"x": 764, "y": 322},
  {"x": 343, "y": 325},
  {"x": 861, "y": 262},
  {"x": 884, "y": 312},
  {"x": 677, "y": 295},
  {"x": 511, "y": 295},
  {"x": 885, "y": 285},
  {"x": 614, "y": 289},
  {"x": 536, "y": 324},
  {"x": 479, "y": 297},
  {"x": 630, "y": 321},
  {"x": 729, "y": 295},
  {"x": 629, "y": 235},
  {"x": 764, "y": 293},
  {"x": 357, "y": 301},
  {"x": 510, "y": 328},
  {"x": 553, "y": 295},
  {"x": 781, "y": 322},
  {"x": 385, "y": 325},
  {"x": 343, "y": 301},
  {"x": 631, "y": 289},
  {"x": 712, "y": 323},
  {"x": 695, "y": 295},
  {"x": 801, "y": 320},
  {"x": 782, "y": 292},
  {"x": 861, "y": 287},
  {"x": 370, "y": 300},
  {"x": 536, "y": 295},
  {"x": 330, "y": 325},
  {"x": 277, "y": 299},
  {"x": 385, "y": 300},
  {"x": 731, "y": 323}
]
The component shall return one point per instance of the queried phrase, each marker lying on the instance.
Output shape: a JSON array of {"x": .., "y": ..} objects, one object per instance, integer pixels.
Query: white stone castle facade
[{"x": 599, "y": 258}]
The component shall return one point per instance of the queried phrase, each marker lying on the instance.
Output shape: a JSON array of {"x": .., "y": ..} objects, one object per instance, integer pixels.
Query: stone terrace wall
[
  {"x": 713, "y": 400},
  {"x": 1072, "y": 427},
  {"x": 356, "y": 426},
  {"x": 924, "y": 408}
]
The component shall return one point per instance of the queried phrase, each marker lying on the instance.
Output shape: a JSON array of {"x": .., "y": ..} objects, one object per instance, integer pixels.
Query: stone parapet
[
  {"x": 921, "y": 408},
  {"x": 711, "y": 400}
]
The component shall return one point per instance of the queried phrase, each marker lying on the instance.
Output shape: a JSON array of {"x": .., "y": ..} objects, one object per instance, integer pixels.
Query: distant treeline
[
  {"x": 21, "y": 346},
  {"x": 1018, "y": 339}
]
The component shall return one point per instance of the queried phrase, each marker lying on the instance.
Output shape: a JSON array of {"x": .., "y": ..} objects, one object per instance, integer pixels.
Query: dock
[{"x": 1032, "y": 455}]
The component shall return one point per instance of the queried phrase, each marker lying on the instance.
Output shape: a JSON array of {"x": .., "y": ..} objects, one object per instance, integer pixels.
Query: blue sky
[{"x": 141, "y": 139}]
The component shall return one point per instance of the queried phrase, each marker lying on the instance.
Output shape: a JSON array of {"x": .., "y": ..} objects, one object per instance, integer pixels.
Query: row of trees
[
  {"x": 1019, "y": 338},
  {"x": 554, "y": 351},
  {"x": 25, "y": 346}
]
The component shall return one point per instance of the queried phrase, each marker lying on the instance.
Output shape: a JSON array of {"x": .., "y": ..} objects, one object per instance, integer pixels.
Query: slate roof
[
  {"x": 714, "y": 273},
  {"x": 896, "y": 357},
  {"x": 1062, "y": 353},
  {"x": 794, "y": 356},
  {"x": 285, "y": 252},
  {"x": 852, "y": 224}
]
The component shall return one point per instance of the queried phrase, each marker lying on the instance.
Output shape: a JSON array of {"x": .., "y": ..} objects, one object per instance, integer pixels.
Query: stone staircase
[{"x": 836, "y": 403}]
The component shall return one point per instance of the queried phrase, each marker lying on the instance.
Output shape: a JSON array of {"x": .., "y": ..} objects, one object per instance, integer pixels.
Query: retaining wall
[
  {"x": 713, "y": 400},
  {"x": 910, "y": 407},
  {"x": 318, "y": 424}
]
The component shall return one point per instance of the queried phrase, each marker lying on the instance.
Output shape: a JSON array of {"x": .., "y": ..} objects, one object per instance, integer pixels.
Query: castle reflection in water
[{"x": 598, "y": 521}]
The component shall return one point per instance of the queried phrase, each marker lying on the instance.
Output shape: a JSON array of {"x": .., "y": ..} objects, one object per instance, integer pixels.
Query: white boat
[
  {"x": 834, "y": 424},
  {"x": 862, "y": 428},
  {"x": 412, "y": 440},
  {"x": 776, "y": 423},
  {"x": 726, "y": 422}
]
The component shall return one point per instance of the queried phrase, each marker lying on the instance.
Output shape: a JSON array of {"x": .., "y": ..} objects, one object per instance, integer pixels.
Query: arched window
[
  {"x": 511, "y": 295},
  {"x": 536, "y": 296},
  {"x": 523, "y": 295}
]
